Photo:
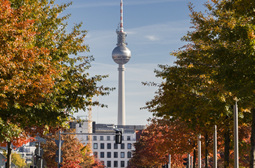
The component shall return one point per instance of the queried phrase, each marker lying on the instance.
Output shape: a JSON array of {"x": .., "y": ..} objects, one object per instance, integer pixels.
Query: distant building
[
  {"x": 27, "y": 151},
  {"x": 103, "y": 142}
]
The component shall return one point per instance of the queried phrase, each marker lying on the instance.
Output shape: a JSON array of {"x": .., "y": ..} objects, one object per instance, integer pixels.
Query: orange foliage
[
  {"x": 160, "y": 139},
  {"x": 164, "y": 137},
  {"x": 73, "y": 152},
  {"x": 18, "y": 142},
  {"x": 27, "y": 72}
]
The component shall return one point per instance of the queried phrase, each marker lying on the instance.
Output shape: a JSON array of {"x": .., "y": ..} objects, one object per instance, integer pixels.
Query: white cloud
[{"x": 152, "y": 38}]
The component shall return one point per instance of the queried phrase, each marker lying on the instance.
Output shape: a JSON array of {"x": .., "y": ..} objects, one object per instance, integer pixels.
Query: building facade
[{"x": 103, "y": 144}]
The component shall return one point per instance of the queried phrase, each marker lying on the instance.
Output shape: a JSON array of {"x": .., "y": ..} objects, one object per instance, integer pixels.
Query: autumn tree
[
  {"x": 41, "y": 83},
  {"x": 74, "y": 155},
  {"x": 192, "y": 98},
  {"x": 222, "y": 46},
  {"x": 17, "y": 160},
  {"x": 161, "y": 138},
  {"x": 213, "y": 69},
  {"x": 26, "y": 72}
]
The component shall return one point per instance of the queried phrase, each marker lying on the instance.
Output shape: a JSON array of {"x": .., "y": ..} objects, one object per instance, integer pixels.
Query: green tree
[
  {"x": 18, "y": 161},
  {"x": 213, "y": 69},
  {"x": 191, "y": 98},
  {"x": 223, "y": 45}
]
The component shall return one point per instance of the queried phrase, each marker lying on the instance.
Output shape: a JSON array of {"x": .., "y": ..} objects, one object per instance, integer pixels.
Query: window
[
  {"x": 122, "y": 138},
  {"x": 79, "y": 124},
  {"x": 115, "y": 163},
  {"x": 108, "y": 138},
  {"x": 128, "y": 138},
  {"x": 102, "y": 162},
  {"x": 101, "y": 154},
  {"x": 122, "y": 146},
  {"x": 80, "y": 131},
  {"x": 94, "y": 138},
  {"x": 102, "y": 146},
  {"x": 108, "y": 163},
  {"x": 122, "y": 154},
  {"x": 129, "y": 146},
  {"x": 122, "y": 164},
  {"x": 108, "y": 154},
  {"x": 95, "y": 154},
  {"x": 87, "y": 137},
  {"x": 115, "y": 154},
  {"x": 129, "y": 154},
  {"x": 115, "y": 146},
  {"x": 95, "y": 146},
  {"x": 109, "y": 146},
  {"x": 101, "y": 138}
]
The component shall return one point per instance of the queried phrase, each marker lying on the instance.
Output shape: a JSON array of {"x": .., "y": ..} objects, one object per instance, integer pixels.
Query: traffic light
[
  {"x": 118, "y": 137},
  {"x": 186, "y": 163}
]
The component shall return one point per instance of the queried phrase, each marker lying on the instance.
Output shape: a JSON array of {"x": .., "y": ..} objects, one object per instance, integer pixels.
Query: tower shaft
[{"x": 121, "y": 96}]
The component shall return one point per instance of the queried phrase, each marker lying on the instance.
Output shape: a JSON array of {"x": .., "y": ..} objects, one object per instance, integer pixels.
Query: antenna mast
[{"x": 121, "y": 16}]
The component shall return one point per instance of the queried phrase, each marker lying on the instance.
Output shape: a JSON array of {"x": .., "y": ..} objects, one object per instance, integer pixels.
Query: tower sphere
[{"x": 121, "y": 54}]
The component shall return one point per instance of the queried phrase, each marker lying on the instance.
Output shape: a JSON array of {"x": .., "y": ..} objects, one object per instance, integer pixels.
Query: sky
[{"x": 154, "y": 29}]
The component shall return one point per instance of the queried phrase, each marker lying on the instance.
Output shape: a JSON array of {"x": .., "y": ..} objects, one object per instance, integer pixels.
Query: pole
[
  {"x": 59, "y": 150},
  {"x": 33, "y": 159},
  {"x": 169, "y": 161},
  {"x": 9, "y": 155},
  {"x": 199, "y": 151},
  {"x": 236, "y": 150},
  {"x": 191, "y": 162},
  {"x": 215, "y": 147},
  {"x": 188, "y": 166},
  {"x": 39, "y": 154},
  {"x": 41, "y": 159}
]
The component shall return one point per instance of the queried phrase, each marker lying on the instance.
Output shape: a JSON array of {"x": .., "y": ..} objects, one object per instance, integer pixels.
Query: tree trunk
[
  {"x": 226, "y": 149},
  {"x": 206, "y": 150},
  {"x": 252, "y": 155},
  {"x": 194, "y": 158},
  {"x": 9, "y": 152}
]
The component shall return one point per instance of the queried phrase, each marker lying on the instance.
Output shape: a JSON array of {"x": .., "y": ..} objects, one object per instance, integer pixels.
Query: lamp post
[
  {"x": 169, "y": 161},
  {"x": 236, "y": 150},
  {"x": 199, "y": 151},
  {"x": 215, "y": 147}
]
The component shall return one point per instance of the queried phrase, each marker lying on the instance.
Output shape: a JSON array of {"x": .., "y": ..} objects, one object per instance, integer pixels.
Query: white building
[{"x": 103, "y": 143}]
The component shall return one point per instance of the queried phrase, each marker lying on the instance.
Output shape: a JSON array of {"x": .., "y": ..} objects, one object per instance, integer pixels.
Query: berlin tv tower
[{"x": 121, "y": 55}]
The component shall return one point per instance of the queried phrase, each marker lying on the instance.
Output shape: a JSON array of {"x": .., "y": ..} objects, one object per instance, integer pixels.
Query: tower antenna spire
[{"x": 121, "y": 16}]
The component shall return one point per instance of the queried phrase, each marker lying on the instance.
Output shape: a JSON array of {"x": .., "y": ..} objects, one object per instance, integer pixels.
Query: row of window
[
  {"x": 108, "y": 138},
  {"x": 109, "y": 146},
  {"x": 115, "y": 154},
  {"x": 115, "y": 163}
]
